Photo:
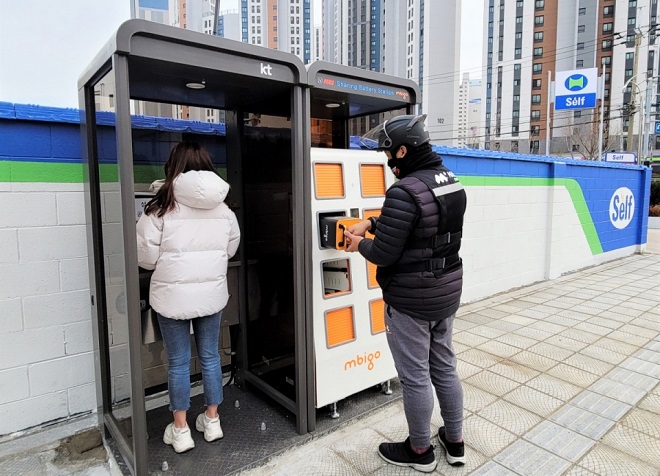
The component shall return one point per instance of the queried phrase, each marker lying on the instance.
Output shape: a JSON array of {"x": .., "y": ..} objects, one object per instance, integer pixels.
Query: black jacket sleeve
[{"x": 396, "y": 221}]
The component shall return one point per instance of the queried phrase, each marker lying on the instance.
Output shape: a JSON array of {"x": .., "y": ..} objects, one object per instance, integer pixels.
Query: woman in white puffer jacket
[{"x": 187, "y": 235}]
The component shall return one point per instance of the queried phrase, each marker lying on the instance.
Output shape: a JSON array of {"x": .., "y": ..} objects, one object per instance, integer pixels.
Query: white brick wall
[{"x": 46, "y": 360}]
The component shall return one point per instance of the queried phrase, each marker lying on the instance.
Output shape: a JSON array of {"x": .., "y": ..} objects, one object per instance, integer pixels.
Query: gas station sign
[{"x": 576, "y": 89}]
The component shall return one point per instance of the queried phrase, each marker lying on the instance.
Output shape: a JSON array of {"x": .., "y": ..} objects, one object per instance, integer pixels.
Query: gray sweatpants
[{"x": 425, "y": 359}]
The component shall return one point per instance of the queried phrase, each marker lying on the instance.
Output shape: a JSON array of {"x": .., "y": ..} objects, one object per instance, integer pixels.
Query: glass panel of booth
[{"x": 115, "y": 308}]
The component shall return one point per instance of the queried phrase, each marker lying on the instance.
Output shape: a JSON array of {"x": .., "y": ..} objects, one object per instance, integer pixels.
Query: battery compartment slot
[{"x": 336, "y": 277}]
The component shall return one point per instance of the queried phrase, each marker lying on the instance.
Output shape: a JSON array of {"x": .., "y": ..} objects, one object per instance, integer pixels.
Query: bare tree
[{"x": 585, "y": 137}]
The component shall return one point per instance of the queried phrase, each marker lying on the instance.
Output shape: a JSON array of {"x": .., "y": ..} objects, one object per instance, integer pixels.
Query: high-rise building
[
  {"x": 415, "y": 39},
  {"x": 525, "y": 40},
  {"x": 469, "y": 113}
]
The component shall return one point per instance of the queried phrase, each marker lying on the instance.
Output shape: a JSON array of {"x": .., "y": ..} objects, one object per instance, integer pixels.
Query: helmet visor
[{"x": 377, "y": 138}]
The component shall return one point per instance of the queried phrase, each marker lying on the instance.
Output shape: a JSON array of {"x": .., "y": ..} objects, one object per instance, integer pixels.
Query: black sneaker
[
  {"x": 401, "y": 454},
  {"x": 455, "y": 452}
]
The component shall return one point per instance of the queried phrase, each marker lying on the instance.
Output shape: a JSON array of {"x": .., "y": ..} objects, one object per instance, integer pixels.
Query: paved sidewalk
[{"x": 559, "y": 378}]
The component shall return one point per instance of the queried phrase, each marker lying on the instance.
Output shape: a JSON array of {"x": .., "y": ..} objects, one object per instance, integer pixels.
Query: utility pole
[{"x": 632, "y": 106}]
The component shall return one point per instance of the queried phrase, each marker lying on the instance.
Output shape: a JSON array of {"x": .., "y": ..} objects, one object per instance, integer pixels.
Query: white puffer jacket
[{"x": 189, "y": 248}]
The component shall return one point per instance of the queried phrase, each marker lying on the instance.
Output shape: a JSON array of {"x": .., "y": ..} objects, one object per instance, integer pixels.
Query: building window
[
  {"x": 519, "y": 4},
  {"x": 581, "y": 28},
  {"x": 632, "y": 21},
  {"x": 536, "y": 84},
  {"x": 579, "y": 63},
  {"x": 516, "y": 82},
  {"x": 538, "y": 36},
  {"x": 534, "y": 146},
  {"x": 516, "y": 98},
  {"x": 539, "y": 4},
  {"x": 607, "y": 27},
  {"x": 606, "y": 60},
  {"x": 577, "y": 114},
  {"x": 518, "y": 19},
  {"x": 536, "y": 99},
  {"x": 515, "y": 114},
  {"x": 580, "y": 46},
  {"x": 538, "y": 20},
  {"x": 607, "y": 44},
  {"x": 582, "y": 11},
  {"x": 536, "y": 130},
  {"x": 629, "y": 73},
  {"x": 608, "y": 11},
  {"x": 517, "y": 53},
  {"x": 632, "y": 4},
  {"x": 630, "y": 56},
  {"x": 536, "y": 115},
  {"x": 539, "y": 51},
  {"x": 537, "y": 67}
]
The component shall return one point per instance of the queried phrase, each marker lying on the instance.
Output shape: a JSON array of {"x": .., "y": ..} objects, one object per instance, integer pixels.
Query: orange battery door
[{"x": 342, "y": 225}]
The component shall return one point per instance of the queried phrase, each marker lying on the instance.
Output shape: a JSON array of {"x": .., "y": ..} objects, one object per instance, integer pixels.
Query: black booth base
[{"x": 245, "y": 445}]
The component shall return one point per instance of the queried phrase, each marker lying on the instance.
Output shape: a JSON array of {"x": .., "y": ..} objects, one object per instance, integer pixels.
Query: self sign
[{"x": 622, "y": 208}]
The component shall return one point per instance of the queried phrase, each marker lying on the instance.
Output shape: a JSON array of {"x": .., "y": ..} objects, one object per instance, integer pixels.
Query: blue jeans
[{"x": 176, "y": 336}]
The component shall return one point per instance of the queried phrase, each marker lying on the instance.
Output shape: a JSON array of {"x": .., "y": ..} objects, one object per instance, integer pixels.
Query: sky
[{"x": 47, "y": 59}]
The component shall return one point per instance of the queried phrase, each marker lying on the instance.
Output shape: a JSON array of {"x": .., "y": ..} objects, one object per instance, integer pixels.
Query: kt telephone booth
[{"x": 303, "y": 328}]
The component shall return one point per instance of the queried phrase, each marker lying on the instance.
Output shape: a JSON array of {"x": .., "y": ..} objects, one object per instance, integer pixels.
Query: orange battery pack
[{"x": 332, "y": 231}]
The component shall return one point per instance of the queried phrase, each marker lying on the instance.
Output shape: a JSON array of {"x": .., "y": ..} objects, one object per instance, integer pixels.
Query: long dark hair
[{"x": 185, "y": 156}]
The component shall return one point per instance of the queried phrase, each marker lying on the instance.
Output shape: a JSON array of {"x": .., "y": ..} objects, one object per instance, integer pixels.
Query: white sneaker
[
  {"x": 209, "y": 426},
  {"x": 180, "y": 438}
]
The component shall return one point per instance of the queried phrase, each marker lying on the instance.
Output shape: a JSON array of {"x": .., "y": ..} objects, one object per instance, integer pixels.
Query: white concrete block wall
[{"x": 46, "y": 359}]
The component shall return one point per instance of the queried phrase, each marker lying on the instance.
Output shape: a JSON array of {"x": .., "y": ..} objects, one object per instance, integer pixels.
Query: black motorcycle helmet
[{"x": 408, "y": 130}]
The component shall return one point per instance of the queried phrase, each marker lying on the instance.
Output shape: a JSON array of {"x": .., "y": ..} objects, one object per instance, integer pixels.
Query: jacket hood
[{"x": 200, "y": 189}]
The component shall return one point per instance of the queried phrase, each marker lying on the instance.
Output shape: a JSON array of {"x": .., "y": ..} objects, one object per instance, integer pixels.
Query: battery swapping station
[
  {"x": 303, "y": 326},
  {"x": 350, "y": 347}
]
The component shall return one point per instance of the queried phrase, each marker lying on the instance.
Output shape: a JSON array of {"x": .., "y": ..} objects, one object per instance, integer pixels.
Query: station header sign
[
  {"x": 576, "y": 89},
  {"x": 362, "y": 87}
]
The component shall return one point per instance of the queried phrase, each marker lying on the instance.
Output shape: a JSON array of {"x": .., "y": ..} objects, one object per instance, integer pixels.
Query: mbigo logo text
[
  {"x": 364, "y": 359},
  {"x": 622, "y": 207}
]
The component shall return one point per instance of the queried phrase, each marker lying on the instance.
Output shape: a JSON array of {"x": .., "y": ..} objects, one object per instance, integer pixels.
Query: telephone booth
[{"x": 149, "y": 88}]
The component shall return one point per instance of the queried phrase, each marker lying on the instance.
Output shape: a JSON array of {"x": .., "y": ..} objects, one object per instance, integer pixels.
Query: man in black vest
[{"x": 416, "y": 242}]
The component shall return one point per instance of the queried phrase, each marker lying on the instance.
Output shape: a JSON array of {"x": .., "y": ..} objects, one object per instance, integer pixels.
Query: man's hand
[
  {"x": 359, "y": 229},
  {"x": 352, "y": 240}
]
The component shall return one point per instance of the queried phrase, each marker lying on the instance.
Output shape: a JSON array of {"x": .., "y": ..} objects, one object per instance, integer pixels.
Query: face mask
[{"x": 394, "y": 165}]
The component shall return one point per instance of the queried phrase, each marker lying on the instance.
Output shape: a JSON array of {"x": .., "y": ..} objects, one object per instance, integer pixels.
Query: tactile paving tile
[
  {"x": 648, "y": 355},
  {"x": 647, "y": 322},
  {"x": 367, "y": 461},
  {"x": 601, "y": 321},
  {"x": 510, "y": 417},
  {"x": 506, "y": 308},
  {"x": 641, "y": 366},
  {"x": 492, "y": 313},
  {"x": 534, "y": 361},
  {"x": 562, "y": 321},
  {"x": 607, "y": 461},
  {"x": 514, "y": 371},
  {"x": 591, "y": 309},
  {"x": 622, "y": 313},
  {"x": 601, "y": 405},
  {"x": 561, "y": 340},
  {"x": 520, "y": 304},
  {"x": 583, "y": 422},
  {"x": 493, "y": 469},
  {"x": 535, "y": 314},
  {"x": 594, "y": 366},
  {"x": 560, "y": 441},
  {"x": 461, "y": 325},
  {"x": 554, "y": 387},
  {"x": 492, "y": 383},
  {"x": 529, "y": 460},
  {"x": 643, "y": 421},
  {"x": 533, "y": 400},
  {"x": 24, "y": 465},
  {"x": 497, "y": 348},
  {"x": 479, "y": 358},
  {"x": 630, "y": 328},
  {"x": 476, "y": 318},
  {"x": 458, "y": 347},
  {"x": 517, "y": 341},
  {"x": 580, "y": 335},
  {"x": 618, "y": 391},
  {"x": 551, "y": 351},
  {"x": 474, "y": 399},
  {"x": 573, "y": 375},
  {"x": 473, "y": 458},
  {"x": 574, "y": 315},
  {"x": 654, "y": 344},
  {"x": 630, "y": 377},
  {"x": 486, "y": 437},
  {"x": 580, "y": 471}
]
